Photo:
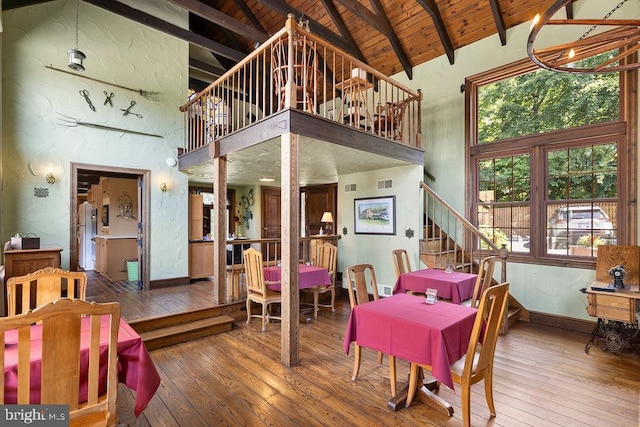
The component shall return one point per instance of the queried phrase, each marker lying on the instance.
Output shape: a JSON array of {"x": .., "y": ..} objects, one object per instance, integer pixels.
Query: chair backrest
[
  {"x": 361, "y": 277},
  {"x": 486, "y": 328},
  {"x": 306, "y": 74},
  {"x": 326, "y": 256},
  {"x": 67, "y": 327},
  {"x": 253, "y": 269},
  {"x": 401, "y": 262},
  {"x": 43, "y": 286},
  {"x": 485, "y": 275}
]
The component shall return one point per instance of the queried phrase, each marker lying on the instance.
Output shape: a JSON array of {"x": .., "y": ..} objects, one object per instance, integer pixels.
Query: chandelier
[{"x": 609, "y": 50}]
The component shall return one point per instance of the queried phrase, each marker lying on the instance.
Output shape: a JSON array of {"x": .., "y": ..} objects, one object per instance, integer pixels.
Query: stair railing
[{"x": 450, "y": 239}]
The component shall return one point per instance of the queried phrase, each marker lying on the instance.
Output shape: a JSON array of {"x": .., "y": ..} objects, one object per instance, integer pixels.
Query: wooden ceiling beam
[
  {"x": 499, "y": 20},
  {"x": 206, "y": 67},
  {"x": 167, "y": 28},
  {"x": 393, "y": 38},
  {"x": 342, "y": 27},
  {"x": 284, "y": 9},
  {"x": 242, "y": 5},
  {"x": 432, "y": 9},
  {"x": 569, "y": 9},
  {"x": 221, "y": 19}
]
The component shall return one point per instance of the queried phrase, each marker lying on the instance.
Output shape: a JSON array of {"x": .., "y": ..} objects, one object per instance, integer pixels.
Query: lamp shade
[{"x": 327, "y": 217}]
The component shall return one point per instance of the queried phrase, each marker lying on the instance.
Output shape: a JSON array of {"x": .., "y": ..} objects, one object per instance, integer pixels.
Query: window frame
[{"x": 622, "y": 131}]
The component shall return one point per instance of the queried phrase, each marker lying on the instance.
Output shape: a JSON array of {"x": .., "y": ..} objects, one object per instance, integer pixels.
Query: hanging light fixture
[
  {"x": 76, "y": 56},
  {"x": 603, "y": 52}
]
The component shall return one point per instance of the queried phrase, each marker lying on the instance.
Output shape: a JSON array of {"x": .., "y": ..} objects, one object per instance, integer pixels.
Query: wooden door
[
  {"x": 271, "y": 221},
  {"x": 319, "y": 199}
]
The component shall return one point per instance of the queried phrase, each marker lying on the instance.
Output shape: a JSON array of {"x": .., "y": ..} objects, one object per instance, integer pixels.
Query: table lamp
[{"x": 327, "y": 218}]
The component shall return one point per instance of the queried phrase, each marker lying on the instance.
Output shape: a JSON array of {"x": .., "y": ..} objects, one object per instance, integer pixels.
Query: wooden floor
[{"x": 542, "y": 377}]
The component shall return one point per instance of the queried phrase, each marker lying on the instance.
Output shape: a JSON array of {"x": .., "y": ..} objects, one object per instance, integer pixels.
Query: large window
[{"x": 544, "y": 162}]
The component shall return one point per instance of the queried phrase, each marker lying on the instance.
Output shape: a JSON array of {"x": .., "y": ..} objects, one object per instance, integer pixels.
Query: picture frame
[{"x": 375, "y": 215}]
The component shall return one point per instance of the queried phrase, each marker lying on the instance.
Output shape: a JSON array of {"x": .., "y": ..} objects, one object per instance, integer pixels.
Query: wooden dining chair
[
  {"x": 401, "y": 262},
  {"x": 306, "y": 74},
  {"x": 477, "y": 363},
  {"x": 387, "y": 121},
  {"x": 361, "y": 278},
  {"x": 257, "y": 290},
  {"x": 485, "y": 276},
  {"x": 63, "y": 363},
  {"x": 43, "y": 286},
  {"x": 326, "y": 257}
]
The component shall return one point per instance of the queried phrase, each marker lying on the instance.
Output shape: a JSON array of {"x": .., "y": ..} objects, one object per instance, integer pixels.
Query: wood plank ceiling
[{"x": 393, "y": 36}]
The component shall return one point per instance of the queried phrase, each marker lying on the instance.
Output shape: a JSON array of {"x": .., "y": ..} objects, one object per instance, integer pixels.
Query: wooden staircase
[
  {"x": 163, "y": 331},
  {"x": 450, "y": 239}
]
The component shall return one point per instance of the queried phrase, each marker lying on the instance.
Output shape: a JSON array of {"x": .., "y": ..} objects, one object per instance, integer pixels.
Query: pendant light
[{"x": 76, "y": 56}]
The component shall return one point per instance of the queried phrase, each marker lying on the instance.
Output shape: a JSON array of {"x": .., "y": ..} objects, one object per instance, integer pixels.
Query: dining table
[
  {"x": 405, "y": 326},
  {"x": 455, "y": 286},
  {"x": 135, "y": 366},
  {"x": 308, "y": 276}
]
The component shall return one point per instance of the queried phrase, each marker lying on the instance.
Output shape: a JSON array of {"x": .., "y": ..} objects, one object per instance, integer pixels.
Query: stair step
[
  {"x": 513, "y": 315},
  {"x": 175, "y": 334}
]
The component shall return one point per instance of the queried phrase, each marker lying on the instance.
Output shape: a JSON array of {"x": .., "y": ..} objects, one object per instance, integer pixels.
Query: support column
[
  {"x": 290, "y": 235},
  {"x": 220, "y": 227}
]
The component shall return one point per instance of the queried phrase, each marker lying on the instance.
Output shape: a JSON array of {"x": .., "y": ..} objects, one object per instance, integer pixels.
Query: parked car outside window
[{"x": 567, "y": 225}]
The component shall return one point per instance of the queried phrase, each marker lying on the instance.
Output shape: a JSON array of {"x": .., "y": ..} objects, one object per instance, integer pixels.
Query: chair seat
[{"x": 457, "y": 367}]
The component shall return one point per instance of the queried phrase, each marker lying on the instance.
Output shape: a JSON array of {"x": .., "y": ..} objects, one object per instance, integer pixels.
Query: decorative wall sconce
[
  {"x": 163, "y": 187},
  {"x": 50, "y": 178}
]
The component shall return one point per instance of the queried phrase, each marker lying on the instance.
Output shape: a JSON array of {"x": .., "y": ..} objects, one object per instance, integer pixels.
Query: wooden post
[
  {"x": 290, "y": 236},
  {"x": 220, "y": 227}
]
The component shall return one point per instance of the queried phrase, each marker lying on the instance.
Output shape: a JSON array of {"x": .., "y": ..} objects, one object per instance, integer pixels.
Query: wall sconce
[
  {"x": 51, "y": 179},
  {"x": 163, "y": 187},
  {"x": 327, "y": 218}
]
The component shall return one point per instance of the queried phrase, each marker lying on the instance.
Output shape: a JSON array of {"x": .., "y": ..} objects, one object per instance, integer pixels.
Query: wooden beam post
[
  {"x": 220, "y": 227},
  {"x": 290, "y": 235}
]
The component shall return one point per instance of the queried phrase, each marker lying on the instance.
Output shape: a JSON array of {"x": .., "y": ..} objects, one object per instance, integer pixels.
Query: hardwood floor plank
[{"x": 542, "y": 376}]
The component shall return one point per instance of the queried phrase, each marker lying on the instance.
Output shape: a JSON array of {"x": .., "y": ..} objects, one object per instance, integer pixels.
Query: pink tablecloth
[
  {"x": 308, "y": 276},
  {"x": 405, "y": 326},
  {"x": 455, "y": 286},
  {"x": 135, "y": 367}
]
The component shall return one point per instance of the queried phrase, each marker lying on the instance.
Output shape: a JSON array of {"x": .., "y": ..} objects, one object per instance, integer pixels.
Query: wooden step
[
  {"x": 513, "y": 315},
  {"x": 169, "y": 335}
]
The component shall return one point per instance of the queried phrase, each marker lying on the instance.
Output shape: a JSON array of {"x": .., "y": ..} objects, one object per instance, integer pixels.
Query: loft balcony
[{"x": 297, "y": 82}]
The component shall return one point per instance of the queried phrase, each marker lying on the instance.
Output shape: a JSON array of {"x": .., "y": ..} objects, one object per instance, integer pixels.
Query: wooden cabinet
[
  {"x": 620, "y": 305},
  {"x": 200, "y": 259},
  {"x": 112, "y": 254},
  {"x": 196, "y": 217}
]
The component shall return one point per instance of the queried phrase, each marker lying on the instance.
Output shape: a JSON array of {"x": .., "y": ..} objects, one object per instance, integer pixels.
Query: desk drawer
[{"x": 611, "y": 307}]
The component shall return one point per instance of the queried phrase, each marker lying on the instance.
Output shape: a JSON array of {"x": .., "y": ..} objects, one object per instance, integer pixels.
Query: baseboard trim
[
  {"x": 577, "y": 325},
  {"x": 167, "y": 283}
]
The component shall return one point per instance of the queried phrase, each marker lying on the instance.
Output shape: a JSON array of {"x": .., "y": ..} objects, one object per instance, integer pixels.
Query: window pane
[
  {"x": 587, "y": 220},
  {"x": 549, "y": 100}
]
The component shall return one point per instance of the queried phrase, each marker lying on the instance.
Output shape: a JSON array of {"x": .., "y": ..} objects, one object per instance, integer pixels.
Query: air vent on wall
[
  {"x": 388, "y": 183},
  {"x": 349, "y": 187}
]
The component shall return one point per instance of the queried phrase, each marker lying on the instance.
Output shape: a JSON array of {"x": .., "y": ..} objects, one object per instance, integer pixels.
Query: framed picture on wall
[{"x": 375, "y": 215}]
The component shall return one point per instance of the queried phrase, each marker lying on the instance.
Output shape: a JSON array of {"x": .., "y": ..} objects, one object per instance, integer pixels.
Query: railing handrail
[{"x": 468, "y": 225}]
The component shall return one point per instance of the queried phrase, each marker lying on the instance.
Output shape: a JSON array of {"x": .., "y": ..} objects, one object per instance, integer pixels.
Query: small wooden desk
[
  {"x": 616, "y": 313},
  {"x": 18, "y": 262}
]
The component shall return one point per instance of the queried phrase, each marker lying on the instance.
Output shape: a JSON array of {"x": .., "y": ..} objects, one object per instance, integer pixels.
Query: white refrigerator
[{"x": 87, "y": 228}]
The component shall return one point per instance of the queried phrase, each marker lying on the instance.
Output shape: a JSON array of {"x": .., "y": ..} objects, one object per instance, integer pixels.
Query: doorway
[{"x": 82, "y": 177}]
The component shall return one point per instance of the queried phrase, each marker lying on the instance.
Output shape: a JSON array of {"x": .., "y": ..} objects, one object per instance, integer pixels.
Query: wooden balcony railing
[{"x": 296, "y": 69}]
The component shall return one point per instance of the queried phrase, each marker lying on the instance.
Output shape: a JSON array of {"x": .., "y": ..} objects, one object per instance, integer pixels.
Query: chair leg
[
  {"x": 466, "y": 404},
  {"x": 357, "y": 356},
  {"x": 392, "y": 374},
  {"x": 316, "y": 297},
  {"x": 379, "y": 359},
  {"x": 264, "y": 317},
  {"x": 248, "y": 311},
  {"x": 488, "y": 392},
  {"x": 333, "y": 298},
  {"x": 413, "y": 383}
]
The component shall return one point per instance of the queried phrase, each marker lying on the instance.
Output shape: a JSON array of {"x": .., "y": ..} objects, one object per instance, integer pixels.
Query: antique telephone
[{"x": 617, "y": 273}]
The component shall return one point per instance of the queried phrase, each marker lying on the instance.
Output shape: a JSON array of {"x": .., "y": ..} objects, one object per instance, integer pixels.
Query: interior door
[
  {"x": 319, "y": 199},
  {"x": 271, "y": 221}
]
